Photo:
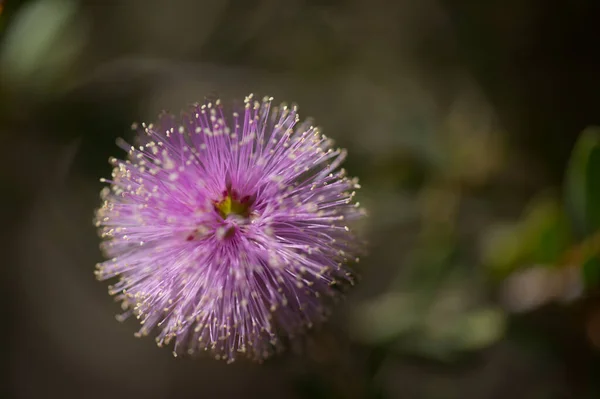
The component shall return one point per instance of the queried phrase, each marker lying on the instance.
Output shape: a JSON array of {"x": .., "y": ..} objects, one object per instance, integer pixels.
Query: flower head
[{"x": 228, "y": 234}]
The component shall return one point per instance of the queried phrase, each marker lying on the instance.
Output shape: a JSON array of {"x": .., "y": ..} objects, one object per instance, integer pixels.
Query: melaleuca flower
[{"x": 228, "y": 234}]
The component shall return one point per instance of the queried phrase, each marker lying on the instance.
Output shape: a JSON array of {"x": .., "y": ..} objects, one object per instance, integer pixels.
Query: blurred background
[{"x": 470, "y": 124}]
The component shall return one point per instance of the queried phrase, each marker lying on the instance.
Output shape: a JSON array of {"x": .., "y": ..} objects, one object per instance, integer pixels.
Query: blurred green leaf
[
  {"x": 583, "y": 182},
  {"x": 42, "y": 41},
  {"x": 593, "y": 189},
  {"x": 541, "y": 237},
  {"x": 501, "y": 248},
  {"x": 439, "y": 327},
  {"x": 481, "y": 328},
  {"x": 590, "y": 271},
  {"x": 468, "y": 331},
  {"x": 546, "y": 232},
  {"x": 386, "y": 317},
  {"x": 454, "y": 324}
]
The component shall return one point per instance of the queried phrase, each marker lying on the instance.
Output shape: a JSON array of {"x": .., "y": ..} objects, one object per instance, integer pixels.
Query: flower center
[{"x": 231, "y": 206}]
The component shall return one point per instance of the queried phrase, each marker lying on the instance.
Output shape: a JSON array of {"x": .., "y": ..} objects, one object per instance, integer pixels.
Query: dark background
[{"x": 459, "y": 117}]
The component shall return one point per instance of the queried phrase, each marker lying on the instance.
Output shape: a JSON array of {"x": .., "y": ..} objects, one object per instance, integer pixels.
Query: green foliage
[
  {"x": 541, "y": 237},
  {"x": 439, "y": 327},
  {"x": 582, "y": 195},
  {"x": 591, "y": 271},
  {"x": 553, "y": 234},
  {"x": 40, "y": 45},
  {"x": 582, "y": 185}
]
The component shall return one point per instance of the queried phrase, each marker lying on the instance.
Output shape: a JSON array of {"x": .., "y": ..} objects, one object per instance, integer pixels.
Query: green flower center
[{"x": 229, "y": 206}]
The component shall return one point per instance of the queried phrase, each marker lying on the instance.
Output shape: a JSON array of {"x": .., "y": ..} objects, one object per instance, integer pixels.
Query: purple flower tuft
[{"x": 228, "y": 234}]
